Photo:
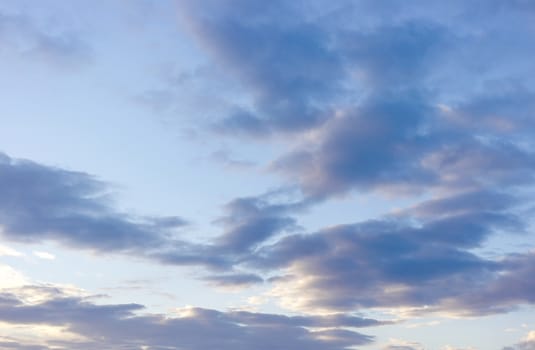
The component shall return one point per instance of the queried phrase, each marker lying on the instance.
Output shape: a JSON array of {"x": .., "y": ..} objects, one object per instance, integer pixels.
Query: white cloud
[
  {"x": 7, "y": 251},
  {"x": 44, "y": 255},
  {"x": 10, "y": 278}
]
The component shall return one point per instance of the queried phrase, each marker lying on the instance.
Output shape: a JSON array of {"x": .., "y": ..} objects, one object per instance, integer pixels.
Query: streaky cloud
[{"x": 28, "y": 39}]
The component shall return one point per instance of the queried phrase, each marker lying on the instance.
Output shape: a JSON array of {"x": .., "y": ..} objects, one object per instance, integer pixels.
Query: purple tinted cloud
[{"x": 122, "y": 326}]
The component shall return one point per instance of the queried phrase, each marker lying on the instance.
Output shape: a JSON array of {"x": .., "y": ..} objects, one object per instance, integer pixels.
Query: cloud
[
  {"x": 526, "y": 344},
  {"x": 363, "y": 94},
  {"x": 13, "y": 345},
  {"x": 428, "y": 265},
  {"x": 47, "y": 204},
  {"x": 510, "y": 289},
  {"x": 462, "y": 203},
  {"x": 251, "y": 221},
  {"x": 237, "y": 280},
  {"x": 10, "y": 277},
  {"x": 400, "y": 344},
  {"x": 284, "y": 60},
  {"x": 122, "y": 325},
  {"x": 412, "y": 105},
  {"x": 7, "y": 251},
  {"x": 298, "y": 63},
  {"x": 40, "y": 203},
  {"x": 225, "y": 158},
  {"x": 44, "y": 255},
  {"x": 420, "y": 258},
  {"x": 248, "y": 223},
  {"x": 504, "y": 108},
  {"x": 379, "y": 144},
  {"x": 399, "y": 55},
  {"x": 28, "y": 38},
  {"x": 399, "y": 145}
]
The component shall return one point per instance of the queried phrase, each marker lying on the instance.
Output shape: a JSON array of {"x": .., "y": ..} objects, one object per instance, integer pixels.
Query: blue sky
[{"x": 241, "y": 174}]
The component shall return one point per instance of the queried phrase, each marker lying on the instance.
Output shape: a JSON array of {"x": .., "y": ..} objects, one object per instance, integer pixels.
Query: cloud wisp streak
[{"x": 22, "y": 35}]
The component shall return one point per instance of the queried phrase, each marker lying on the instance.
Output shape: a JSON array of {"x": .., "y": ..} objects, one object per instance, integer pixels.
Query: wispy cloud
[
  {"x": 23, "y": 36},
  {"x": 7, "y": 251},
  {"x": 44, "y": 255}
]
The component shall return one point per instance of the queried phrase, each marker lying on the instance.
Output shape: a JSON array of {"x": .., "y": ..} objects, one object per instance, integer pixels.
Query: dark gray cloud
[
  {"x": 431, "y": 100},
  {"x": 328, "y": 321},
  {"x": 383, "y": 270},
  {"x": 234, "y": 280},
  {"x": 396, "y": 262},
  {"x": 191, "y": 254},
  {"x": 400, "y": 347},
  {"x": 284, "y": 60},
  {"x": 399, "y": 55},
  {"x": 373, "y": 82},
  {"x": 13, "y": 345},
  {"x": 462, "y": 203},
  {"x": 380, "y": 144},
  {"x": 503, "y": 109},
  {"x": 122, "y": 326},
  {"x": 512, "y": 288},
  {"x": 422, "y": 256},
  {"x": 250, "y": 221},
  {"x": 299, "y": 62},
  {"x": 391, "y": 145},
  {"x": 41, "y": 203}
]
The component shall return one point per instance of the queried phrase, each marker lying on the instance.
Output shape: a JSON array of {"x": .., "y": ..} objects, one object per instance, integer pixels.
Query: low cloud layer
[{"x": 126, "y": 326}]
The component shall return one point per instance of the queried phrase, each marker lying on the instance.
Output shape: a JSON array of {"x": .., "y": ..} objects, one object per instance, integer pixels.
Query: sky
[{"x": 243, "y": 174}]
